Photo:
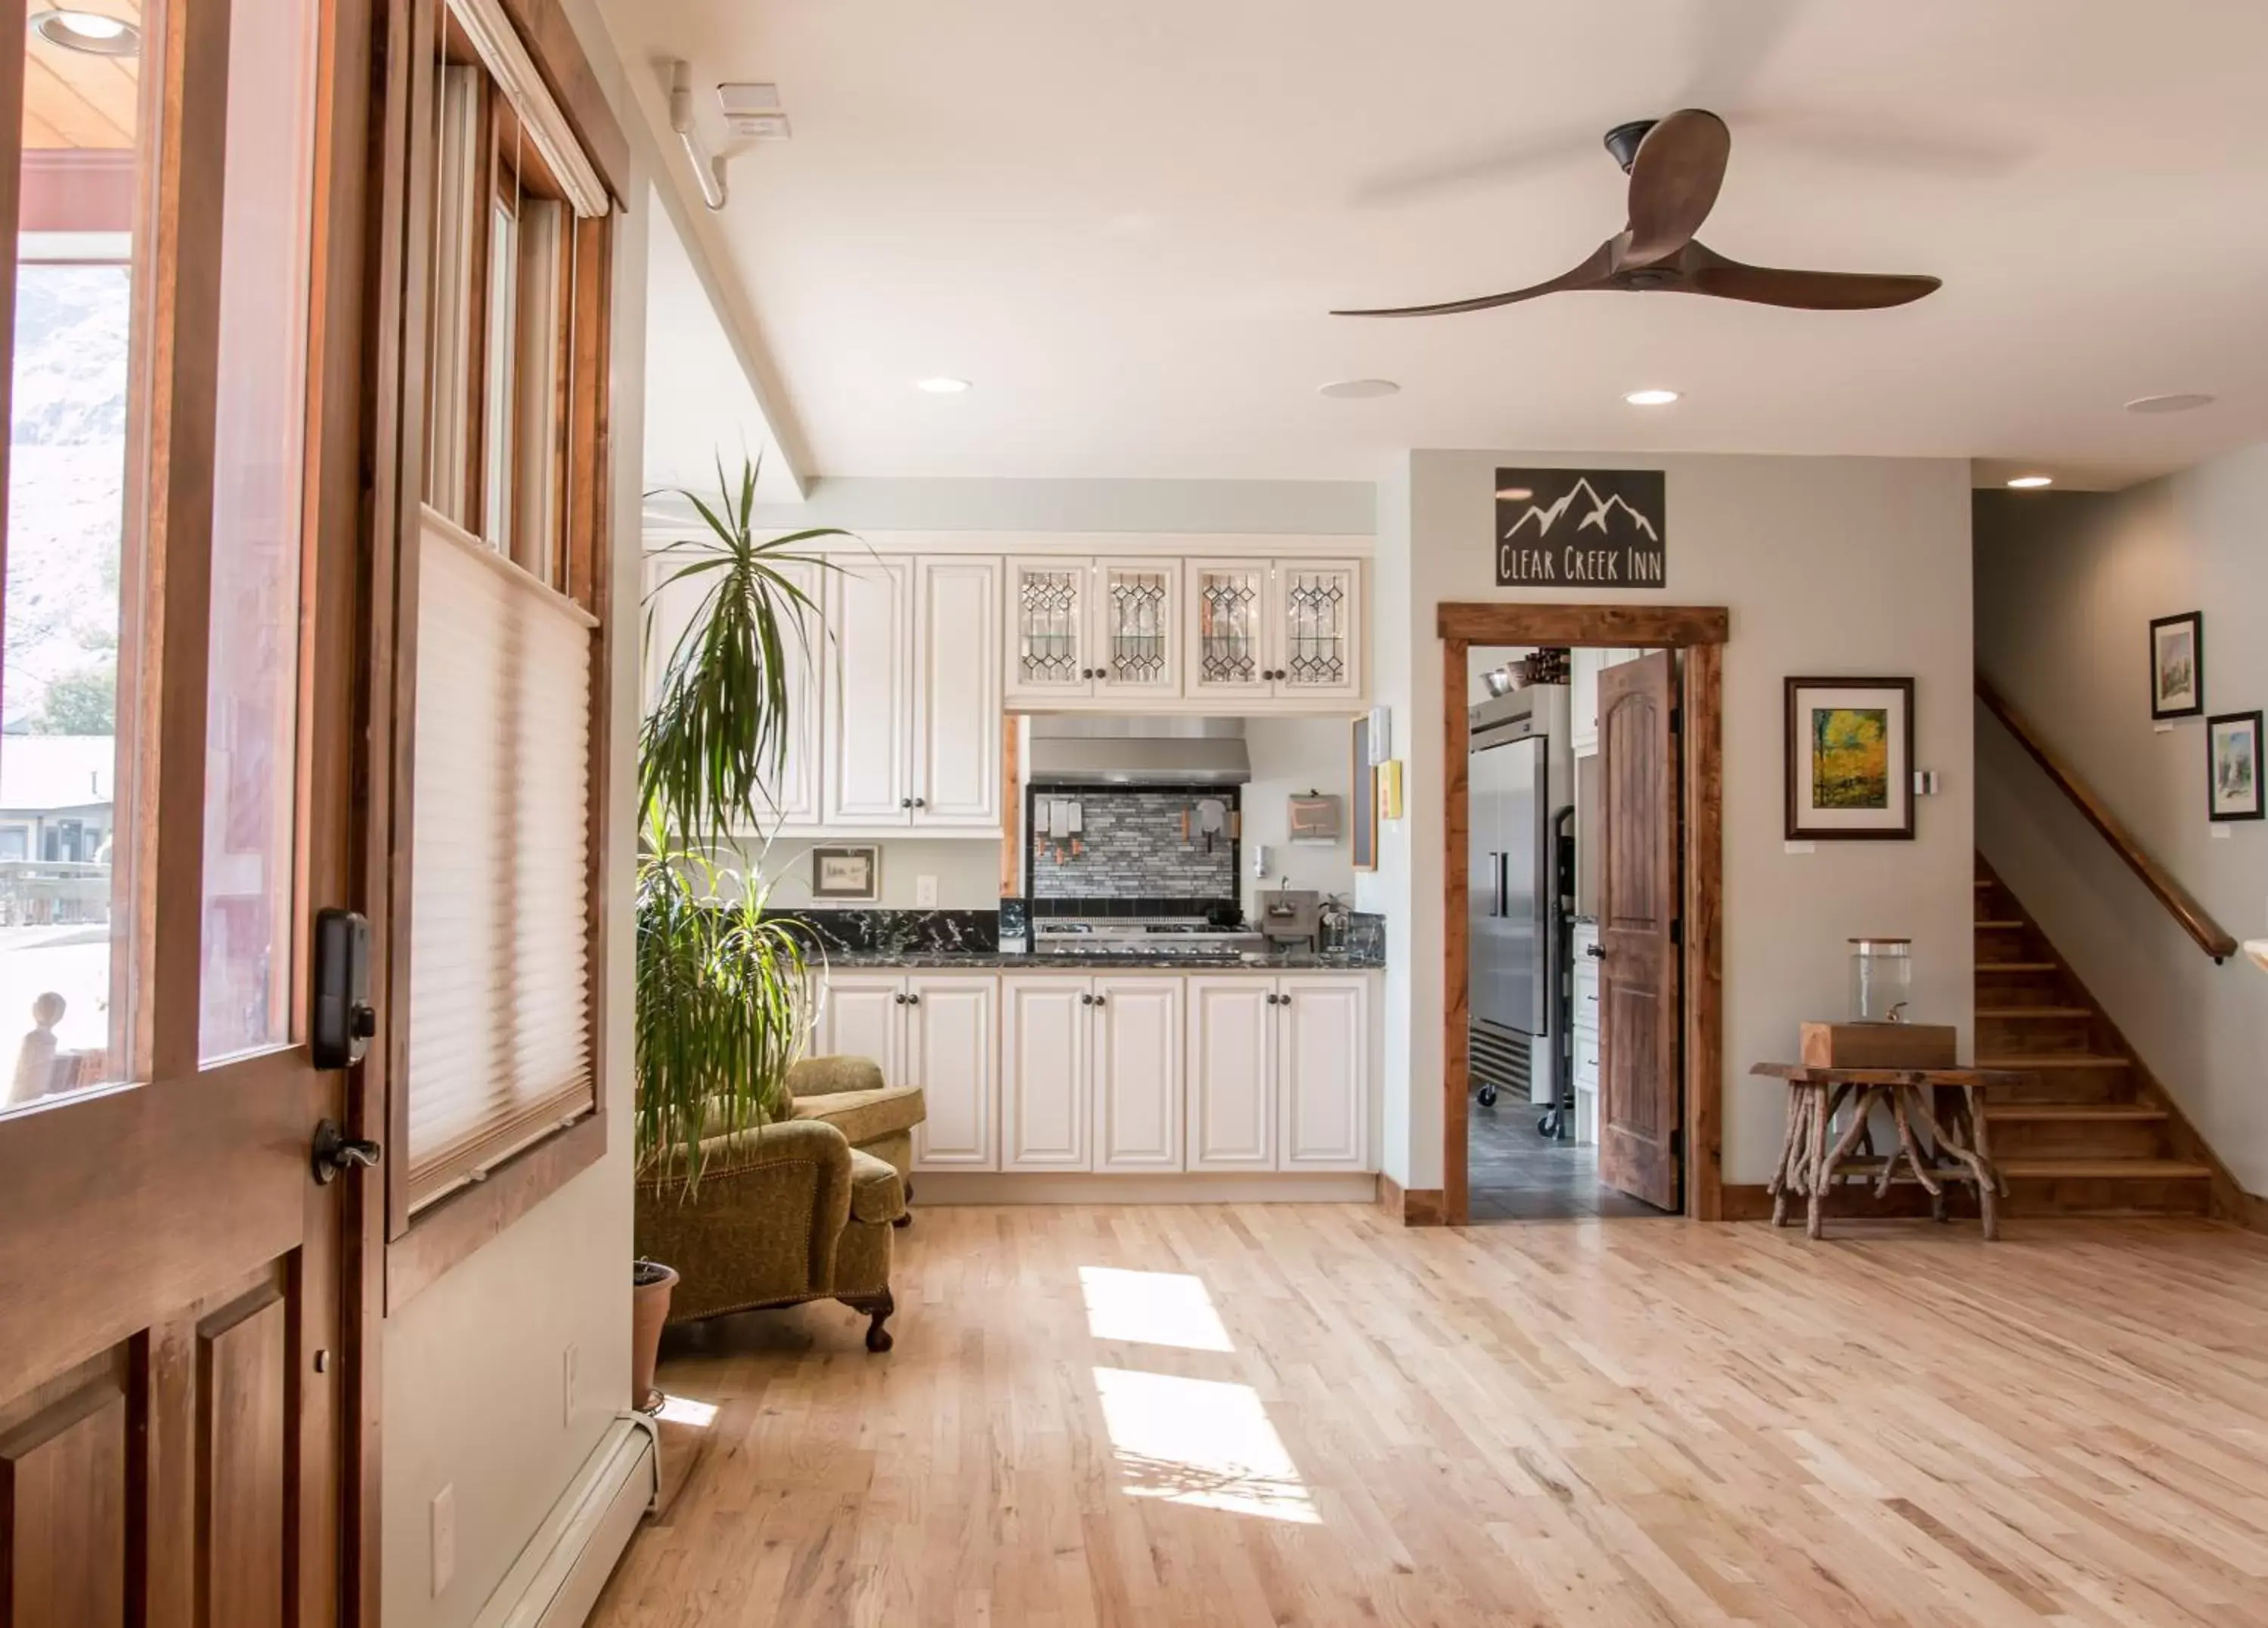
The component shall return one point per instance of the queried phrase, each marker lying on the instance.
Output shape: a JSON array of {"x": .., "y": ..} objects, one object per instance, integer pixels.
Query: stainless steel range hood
[{"x": 1069, "y": 751}]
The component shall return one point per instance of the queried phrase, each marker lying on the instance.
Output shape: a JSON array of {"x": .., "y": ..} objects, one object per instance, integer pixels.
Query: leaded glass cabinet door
[
  {"x": 1047, "y": 629},
  {"x": 1136, "y": 631},
  {"x": 1316, "y": 611},
  {"x": 1228, "y": 647}
]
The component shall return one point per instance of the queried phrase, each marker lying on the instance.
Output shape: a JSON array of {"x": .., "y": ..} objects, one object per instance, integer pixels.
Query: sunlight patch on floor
[
  {"x": 1201, "y": 1442},
  {"x": 1154, "y": 1308},
  {"x": 685, "y": 1411}
]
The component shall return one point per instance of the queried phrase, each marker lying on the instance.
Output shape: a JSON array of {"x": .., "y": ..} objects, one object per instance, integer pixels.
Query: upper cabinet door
[
  {"x": 869, "y": 733},
  {"x": 1315, "y": 634},
  {"x": 1228, "y": 648},
  {"x": 956, "y": 702},
  {"x": 795, "y": 792},
  {"x": 1049, "y": 630},
  {"x": 1138, "y": 1054},
  {"x": 1136, "y": 631},
  {"x": 1324, "y": 1059}
]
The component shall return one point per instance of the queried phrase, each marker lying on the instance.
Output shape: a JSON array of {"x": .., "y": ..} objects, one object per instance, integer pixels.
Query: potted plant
[{"x": 720, "y": 984}]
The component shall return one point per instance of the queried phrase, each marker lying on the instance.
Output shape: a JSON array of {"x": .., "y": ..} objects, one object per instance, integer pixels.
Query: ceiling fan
[{"x": 1676, "y": 167}]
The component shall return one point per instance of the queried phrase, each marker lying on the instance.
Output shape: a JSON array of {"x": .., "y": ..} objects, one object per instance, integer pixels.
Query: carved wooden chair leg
[{"x": 877, "y": 1308}]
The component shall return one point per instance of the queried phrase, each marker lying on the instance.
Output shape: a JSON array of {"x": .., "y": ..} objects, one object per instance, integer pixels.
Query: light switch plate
[
  {"x": 2221, "y": 834},
  {"x": 444, "y": 1538},
  {"x": 569, "y": 1360},
  {"x": 1800, "y": 848},
  {"x": 925, "y": 892}
]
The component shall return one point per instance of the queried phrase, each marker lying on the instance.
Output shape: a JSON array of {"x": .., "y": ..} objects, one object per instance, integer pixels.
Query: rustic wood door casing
[
  {"x": 174, "y": 1328},
  {"x": 1638, "y": 1094}
]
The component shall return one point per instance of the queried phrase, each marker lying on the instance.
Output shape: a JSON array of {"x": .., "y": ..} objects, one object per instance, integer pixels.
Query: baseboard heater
[{"x": 557, "y": 1578}]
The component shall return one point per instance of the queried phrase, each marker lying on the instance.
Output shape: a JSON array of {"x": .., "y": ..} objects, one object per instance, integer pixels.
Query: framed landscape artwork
[
  {"x": 2177, "y": 666},
  {"x": 2233, "y": 765},
  {"x": 1850, "y": 759}
]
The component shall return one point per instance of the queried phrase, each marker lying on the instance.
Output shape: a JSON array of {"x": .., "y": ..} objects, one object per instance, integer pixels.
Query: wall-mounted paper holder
[{"x": 1313, "y": 818}]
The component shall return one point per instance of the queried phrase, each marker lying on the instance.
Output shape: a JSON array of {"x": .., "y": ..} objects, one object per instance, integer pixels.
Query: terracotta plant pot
[{"x": 651, "y": 1284}]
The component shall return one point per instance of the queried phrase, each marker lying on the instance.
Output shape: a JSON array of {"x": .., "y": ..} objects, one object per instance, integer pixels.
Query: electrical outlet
[
  {"x": 567, "y": 1362},
  {"x": 444, "y": 1537},
  {"x": 925, "y": 892}
]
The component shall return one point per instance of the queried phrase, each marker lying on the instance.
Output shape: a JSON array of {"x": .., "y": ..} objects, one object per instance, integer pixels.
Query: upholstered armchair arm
[
  {"x": 763, "y": 1224},
  {"x": 831, "y": 1076}
]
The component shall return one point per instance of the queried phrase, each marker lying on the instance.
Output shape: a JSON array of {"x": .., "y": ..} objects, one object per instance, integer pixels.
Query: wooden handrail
[{"x": 2195, "y": 919}]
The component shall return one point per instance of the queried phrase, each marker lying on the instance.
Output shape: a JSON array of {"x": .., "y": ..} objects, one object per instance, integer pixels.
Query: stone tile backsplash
[{"x": 1130, "y": 846}]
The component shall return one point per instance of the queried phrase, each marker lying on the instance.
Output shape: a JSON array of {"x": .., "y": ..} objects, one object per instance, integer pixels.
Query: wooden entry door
[
  {"x": 1639, "y": 1107},
  {"x": 180, "y": 188}
]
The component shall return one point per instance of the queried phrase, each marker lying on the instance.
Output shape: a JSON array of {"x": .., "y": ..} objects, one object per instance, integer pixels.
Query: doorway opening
[{"x": 1582, "y": 935}]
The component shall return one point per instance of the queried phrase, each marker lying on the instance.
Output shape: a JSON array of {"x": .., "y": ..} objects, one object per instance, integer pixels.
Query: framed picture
[
  {"x": 2177, "y": 666},
  {"x": 1850, "y": 759},
  {"x": 2232, "y": 755},
  {"x": 846, "y": 876},
  {"x": 1363, "y": 800}
]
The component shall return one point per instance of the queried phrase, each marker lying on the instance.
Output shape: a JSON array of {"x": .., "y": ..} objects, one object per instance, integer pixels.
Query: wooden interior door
[
  {"x": 183, "y": 330},
  {"x": 1639, "y": 1076}
]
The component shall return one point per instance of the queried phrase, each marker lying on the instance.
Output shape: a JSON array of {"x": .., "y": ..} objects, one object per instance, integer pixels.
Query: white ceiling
[{"x": 1125, "y": 225}]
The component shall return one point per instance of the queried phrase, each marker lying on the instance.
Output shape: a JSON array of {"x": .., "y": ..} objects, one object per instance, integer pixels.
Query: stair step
[
  {"x": 2034, "y": 1011},
  {"x": 2016, "y": 966},
  {"x": 1999, "y": 925},
  {"x": 2104, "y": 1169},
  {"x": 1999, "y": 1112},
  {"x": 2033, "y": 1065}
]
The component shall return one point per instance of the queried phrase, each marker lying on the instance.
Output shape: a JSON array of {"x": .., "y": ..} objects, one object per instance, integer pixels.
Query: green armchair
[
  {"x": 784, "y": 1214},
  {"x": 849, "y": 1093}
]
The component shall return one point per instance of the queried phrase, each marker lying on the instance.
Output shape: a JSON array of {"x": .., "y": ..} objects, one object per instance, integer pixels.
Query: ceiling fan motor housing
[{"x": 1623, "y": 141}]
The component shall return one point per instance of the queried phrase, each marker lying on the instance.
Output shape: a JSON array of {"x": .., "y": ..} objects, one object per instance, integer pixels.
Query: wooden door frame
[{"x": 1700, "y": 633}]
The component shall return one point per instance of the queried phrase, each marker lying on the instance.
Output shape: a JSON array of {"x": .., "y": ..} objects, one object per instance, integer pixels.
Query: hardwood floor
[{"x": 1305, "y": 1415}]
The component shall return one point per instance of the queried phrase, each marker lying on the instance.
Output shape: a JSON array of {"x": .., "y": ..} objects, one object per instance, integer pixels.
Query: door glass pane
[
  {"x": 1047, "y": 611},
  {"x": 1228, "y": 626},
  {"x": 71, "y": 560},
  {"x": 259, "y": 441},
  {"x": 1315, "y": 629},
  {"x": 1139, "y": 607}
]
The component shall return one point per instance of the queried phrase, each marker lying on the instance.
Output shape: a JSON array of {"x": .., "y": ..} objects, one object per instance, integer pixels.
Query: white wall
[
  {"x": 472, "y": 1369},
  {"x": 1291, "y": 757},
  {"x": 1830, "y": 565},
  {"x": 967, "y": 870},
  {"x": 2067, "y": 585}
]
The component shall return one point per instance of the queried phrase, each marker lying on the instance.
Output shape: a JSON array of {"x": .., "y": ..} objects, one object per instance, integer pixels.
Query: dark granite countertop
[{"x": 993, "y": 960}]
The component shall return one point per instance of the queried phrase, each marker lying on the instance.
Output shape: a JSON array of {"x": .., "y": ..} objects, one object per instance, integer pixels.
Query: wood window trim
[
  {"x": 1700, "y": 633},
  {"x": 401, "y": 1255}
]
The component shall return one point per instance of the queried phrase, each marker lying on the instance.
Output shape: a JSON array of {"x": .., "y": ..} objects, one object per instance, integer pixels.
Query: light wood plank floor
[{"x": 1280, "y": 1415}]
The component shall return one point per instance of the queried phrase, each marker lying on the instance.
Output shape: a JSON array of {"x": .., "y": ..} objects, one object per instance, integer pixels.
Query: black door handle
[
  {"x": 334, "y": 1152},
  {"x": 1597, "y": 952}
]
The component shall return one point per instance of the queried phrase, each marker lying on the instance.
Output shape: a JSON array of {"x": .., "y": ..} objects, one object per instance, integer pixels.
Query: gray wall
[
  {"x": 1830, "y": 565},
  {"x": 2067, "y": 585}
]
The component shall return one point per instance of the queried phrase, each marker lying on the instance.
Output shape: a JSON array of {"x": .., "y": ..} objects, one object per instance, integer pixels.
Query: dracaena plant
[{"x": 720, "y": 985}]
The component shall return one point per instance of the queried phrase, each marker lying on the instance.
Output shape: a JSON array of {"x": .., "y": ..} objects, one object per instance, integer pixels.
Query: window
[{"x": 509, "y": 556}]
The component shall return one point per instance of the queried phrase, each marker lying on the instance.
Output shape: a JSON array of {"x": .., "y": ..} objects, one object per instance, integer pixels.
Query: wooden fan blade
[
  {"x": 1592, "y": 274},
  {"x": 1707, "y": 272},
  {"x": 1674, "y": 182}
]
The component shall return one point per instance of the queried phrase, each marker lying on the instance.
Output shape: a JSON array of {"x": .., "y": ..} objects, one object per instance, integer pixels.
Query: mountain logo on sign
[{"x": 1595, "y": 518}]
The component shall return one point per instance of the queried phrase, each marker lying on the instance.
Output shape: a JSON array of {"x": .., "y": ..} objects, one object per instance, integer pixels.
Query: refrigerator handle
[{"x": 1503, "y": 885}]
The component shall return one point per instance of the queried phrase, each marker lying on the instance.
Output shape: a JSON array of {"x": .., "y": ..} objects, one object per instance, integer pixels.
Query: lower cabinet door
[
  {"x": 1232, "y": 1052},
  {"x": 863, "y": 1015},
  {"x": 1137, "y": 1029},
  {"x": 1043, "y": 1084},
  {"x": 1322, "y": 1063},
  {"x": 952, "y": 1054}
]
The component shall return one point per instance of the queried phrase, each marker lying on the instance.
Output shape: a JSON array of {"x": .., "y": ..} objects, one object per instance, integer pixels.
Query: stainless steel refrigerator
[{"x": 1522, "y": 776}]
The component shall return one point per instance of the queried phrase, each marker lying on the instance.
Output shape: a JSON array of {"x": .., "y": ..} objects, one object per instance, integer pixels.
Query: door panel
[
  {"x": 1639, "y": 1096},
  {"x": 1324, "y": 1053},
  {"x": 1136, "y": 634},
  {"x": 1228, "y": 617},
  {"x": 863, "y": 1014},
  {"x": 952, "y": 1054},
  {"x": 795, "y": 794},
  {"x": 957, "y": 701},
  {"x": 1048, "y": 658},
  {"x": 1317, "y": 635},
  {"x": 1232, "y": 1073},
  {"x": 869, "y": 736},
  {"x": 1043, "y": 1085},
  {"x": 1139, "y": 1055}
]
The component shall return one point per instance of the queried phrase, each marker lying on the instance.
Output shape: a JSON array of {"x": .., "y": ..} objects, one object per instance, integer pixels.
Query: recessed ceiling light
[
  {"x": 2031, "y": 483},
  {"x": 1651, "y": 398},
  {"x": 1360, "y": 389},
  {"x": 942, "y": 386},
  {"x": 2185, "y": 402},
  {"x": 90, "y": 32}
]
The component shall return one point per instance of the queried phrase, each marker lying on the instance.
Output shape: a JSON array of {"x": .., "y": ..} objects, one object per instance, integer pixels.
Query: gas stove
[{"x": 1136, "y": 937}]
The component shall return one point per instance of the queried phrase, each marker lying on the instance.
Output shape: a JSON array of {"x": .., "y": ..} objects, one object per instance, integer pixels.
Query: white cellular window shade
[{"x": 500, "y": 1038}]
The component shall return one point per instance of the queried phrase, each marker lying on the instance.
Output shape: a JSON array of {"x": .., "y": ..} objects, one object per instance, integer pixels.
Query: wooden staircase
[{"x": 2090, "y": 1133}]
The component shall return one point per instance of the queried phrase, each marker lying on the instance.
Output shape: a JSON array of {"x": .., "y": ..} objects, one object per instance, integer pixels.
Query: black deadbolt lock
[{"x": 344, "y": 1020}]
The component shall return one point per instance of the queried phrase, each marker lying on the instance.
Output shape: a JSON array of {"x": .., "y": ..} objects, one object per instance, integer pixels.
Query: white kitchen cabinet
[
  {"x": 1050, "y": 639},
  {"x": 1232, "y": 1072},
  {"x": 867, "y": 691},
  {"x": 1228, "y": 648},
  {"x": 955, "y": 773},
  {"x": 1136, "y": 1031},
  {"x": 1323, "y": 1053},
  {"x": 1044, "y": 1097},
  {"x": 1274, "y": 630},
  {"x": 1137, "y": 635},
  {"x": 939, "y": 1030},
  {"x": 1102, "y": 631}
]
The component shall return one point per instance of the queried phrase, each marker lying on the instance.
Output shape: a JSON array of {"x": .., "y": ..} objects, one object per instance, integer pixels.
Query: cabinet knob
[
  {"x": 921, "y": 803},
  {"x": 905, "y": 803},
  {"x": 913, "y": 999},
  {"x": 1098, "y": 1001},
  {"x": 1086, "y": 1000}
]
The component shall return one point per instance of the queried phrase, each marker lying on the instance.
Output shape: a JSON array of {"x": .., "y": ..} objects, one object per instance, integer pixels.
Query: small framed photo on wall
[
  {"x": 846, "y": 876},
  {"x": 1850, "y": 759},
  {"x": 2231, "y": 754},
  {"x": 2177, "y": 666}
]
